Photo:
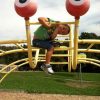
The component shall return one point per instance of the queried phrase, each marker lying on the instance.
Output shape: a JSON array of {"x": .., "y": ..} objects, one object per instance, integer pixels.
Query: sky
[{"x": 12, "y": 26}]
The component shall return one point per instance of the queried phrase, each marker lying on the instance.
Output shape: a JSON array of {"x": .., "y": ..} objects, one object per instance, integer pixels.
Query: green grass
[{"x": 59, "y": 83}]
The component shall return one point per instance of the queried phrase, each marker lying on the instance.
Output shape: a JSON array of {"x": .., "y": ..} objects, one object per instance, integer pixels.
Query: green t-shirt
[{"x": 42, "y": 32}]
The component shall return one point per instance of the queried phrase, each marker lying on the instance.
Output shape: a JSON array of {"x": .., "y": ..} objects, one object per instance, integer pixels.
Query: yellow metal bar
[
  {"x": 37, "y": 23},
  {"x": 11, "y": 71},
  {"x": 90, "y": 59},
  {"x": 36, "y": 57},
  {"x": 17, "y": 50},
  {"x": 18, "y": 61},
  {"x": 62, "y": 48},
  {"x": 12, "y": 64},
  {"x": 22, "y": 65},
  {"x": 62, "y": 40},
  {"x": 42, "y": 60},
  {"x": 19, "y": 46},
  {"x": 90, "y": 50},
  {"x": 76, "y": 31},
  {"x": 12, "y": 41},
  {"x": 13, "y": 51},
  {"x": 90, "y": 62},
  {"x": 58, "y": 62},
  {"x": 56, "y": 55},
  {"x": 2, "y": 51},
  {"x": 26, "y": 61},
  {"x": 29, "y": 42},
  {"x": 89, "y": 41},
  {"x": 62, "y": 35},
  {"x": 70, "y": 52},
  {"x": 69, "y": 61},
  {"x": 91, "y": 45}
]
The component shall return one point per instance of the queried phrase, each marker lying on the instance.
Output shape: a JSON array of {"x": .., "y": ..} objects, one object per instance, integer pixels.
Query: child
[{"x": 43, "y": 37}]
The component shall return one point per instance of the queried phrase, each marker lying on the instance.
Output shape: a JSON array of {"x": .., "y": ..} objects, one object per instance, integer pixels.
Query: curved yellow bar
[
  {"x": 90, "y": 62},
  {"x": 90, "y": 59}
]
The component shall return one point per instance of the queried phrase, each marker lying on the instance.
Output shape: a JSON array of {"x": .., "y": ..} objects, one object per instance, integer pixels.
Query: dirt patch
[
  {"x": 25, "y": 96},
  {"x": 79, "y": 84}
]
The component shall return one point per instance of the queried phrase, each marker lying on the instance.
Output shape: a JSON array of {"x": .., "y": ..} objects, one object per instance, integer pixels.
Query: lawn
[{"x": 59, "y": 83}]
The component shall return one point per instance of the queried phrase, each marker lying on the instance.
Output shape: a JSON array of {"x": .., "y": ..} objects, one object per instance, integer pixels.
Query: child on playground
[{"x": 44, "y": 36}]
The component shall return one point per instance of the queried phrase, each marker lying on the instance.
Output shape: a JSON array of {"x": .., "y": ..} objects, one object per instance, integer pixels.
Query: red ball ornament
[
  {"x": 77, "y": 8},
  {"x": 25, "y": 8}
]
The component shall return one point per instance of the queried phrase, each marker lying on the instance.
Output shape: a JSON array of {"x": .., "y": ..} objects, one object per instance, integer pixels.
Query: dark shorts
[{"x": 45, "y": 44}]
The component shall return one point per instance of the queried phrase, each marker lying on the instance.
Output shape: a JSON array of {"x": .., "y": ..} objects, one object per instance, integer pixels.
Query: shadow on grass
[{"x": 66, "y": 75}]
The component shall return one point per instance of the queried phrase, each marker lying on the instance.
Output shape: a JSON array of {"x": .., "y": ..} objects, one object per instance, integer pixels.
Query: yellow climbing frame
[{"x": 71, "y": 50}]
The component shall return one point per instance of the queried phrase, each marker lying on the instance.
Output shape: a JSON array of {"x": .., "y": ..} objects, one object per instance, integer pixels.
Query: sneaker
[
  {"x": 43, "y": 67},
  {"x": 47, "y": 69}
]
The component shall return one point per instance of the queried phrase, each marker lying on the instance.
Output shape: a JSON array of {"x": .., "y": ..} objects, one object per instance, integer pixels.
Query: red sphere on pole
[
  {"x": 25, "y": 8},
  {"x": 77, "y": 8}
]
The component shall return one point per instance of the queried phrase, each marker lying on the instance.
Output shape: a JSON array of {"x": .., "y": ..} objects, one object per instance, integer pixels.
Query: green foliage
[{"x": 86, "y": 35}]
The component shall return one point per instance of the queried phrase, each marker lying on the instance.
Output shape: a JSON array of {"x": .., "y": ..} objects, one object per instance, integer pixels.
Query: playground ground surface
[
  {"x": 60, "y": 86},
  {"x": 26, "y": 96}
]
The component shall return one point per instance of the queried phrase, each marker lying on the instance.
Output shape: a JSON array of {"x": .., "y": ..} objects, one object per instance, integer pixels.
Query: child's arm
[
  {"x": 44, "y": 21},
  {"x": 56, "y": 31}
]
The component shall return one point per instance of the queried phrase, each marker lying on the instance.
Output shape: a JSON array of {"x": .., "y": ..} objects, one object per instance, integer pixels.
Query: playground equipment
[
  {"x": 81, "y": 7},
  {"x": 27, "y": 8}
]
